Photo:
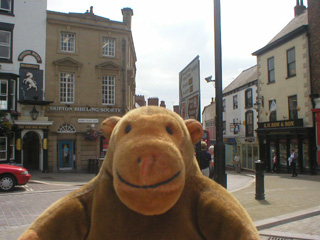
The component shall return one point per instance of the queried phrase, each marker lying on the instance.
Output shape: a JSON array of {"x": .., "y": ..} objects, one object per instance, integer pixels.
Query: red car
[{"x": 11, "y": 175}]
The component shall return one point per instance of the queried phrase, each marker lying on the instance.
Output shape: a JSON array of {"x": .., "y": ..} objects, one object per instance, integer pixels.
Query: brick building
[{"x": 314, "y": 49}]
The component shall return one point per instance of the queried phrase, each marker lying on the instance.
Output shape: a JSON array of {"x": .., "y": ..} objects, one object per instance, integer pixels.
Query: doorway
[
  {"x": 31, "y": 152},
  {"x": 65, "y": 155}
]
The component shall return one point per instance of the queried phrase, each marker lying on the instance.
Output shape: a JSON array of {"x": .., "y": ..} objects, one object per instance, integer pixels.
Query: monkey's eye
[
  {"x": 169, "y": 130},
  {"x": 128, "y": 128}
]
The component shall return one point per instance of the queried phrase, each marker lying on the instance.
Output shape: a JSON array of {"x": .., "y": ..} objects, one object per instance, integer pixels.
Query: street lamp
[
  {"x": 34, "y": 113},
  {"x": 219, "y": 148}
]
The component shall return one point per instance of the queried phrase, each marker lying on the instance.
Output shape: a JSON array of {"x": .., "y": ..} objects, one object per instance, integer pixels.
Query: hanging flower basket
[
  {"x": 5, "y": 126},
  {"x": 91, "y": 135},
  {"x": 15, "y": 114}
]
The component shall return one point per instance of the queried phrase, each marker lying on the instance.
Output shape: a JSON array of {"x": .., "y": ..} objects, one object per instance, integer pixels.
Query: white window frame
[
  {"x": 6, "y": 44},
  {"x": 67, "y": 42},
  {"x": 13, "y": 95},
  {"x": 66, "y": 128},
  {"x": 6, "y": 9},
  {"x": 108, "y": 90},
  {"x": 235, "y": 102},
  {"x": 108, "y": 47},
  {"x": 66, "y": 87},
  {"x": 5, "y": 149},
  {"x": 4, "y": 104},
  {"x": 12, "y": 146}
]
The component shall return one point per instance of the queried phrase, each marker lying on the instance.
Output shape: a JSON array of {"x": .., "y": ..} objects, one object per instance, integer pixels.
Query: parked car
[{"x": 11, "y": 175}]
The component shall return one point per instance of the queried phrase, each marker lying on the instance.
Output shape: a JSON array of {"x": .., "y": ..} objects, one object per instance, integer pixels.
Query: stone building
[
  {"x": 90, "y": 72},
  {"x": 284, "y": 90}
]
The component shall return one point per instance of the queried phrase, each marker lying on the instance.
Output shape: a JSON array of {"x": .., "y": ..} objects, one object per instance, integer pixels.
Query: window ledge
[{"x": 294, "y": 75}]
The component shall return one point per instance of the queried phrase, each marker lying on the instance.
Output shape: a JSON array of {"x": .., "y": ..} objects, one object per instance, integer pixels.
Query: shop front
[{"x": 278, "y": 138}]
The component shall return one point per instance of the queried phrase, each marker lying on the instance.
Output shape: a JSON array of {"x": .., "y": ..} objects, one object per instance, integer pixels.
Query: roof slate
[{"x": 245, "y": 77}]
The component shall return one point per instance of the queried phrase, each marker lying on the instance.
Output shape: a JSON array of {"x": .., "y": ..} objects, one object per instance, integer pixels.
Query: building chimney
[
  {"x": 299, "y": 8},
  {"x": 91, "y": 9},
  {"x": 127, "y": 14}
]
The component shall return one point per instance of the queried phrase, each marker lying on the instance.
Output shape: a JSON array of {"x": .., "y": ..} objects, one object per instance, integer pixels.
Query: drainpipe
[{"x": 124, "y": 76}]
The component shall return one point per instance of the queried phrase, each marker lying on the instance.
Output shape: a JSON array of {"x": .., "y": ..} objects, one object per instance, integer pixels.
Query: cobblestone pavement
[{"x": 291, "y": 209}]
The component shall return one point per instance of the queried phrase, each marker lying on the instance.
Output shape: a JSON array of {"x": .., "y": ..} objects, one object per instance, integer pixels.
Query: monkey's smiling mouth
[{"x": 148, "y": 186}]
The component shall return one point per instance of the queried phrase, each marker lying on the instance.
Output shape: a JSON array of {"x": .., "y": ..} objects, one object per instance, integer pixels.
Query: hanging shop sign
[{"x": 29, "y": 53}]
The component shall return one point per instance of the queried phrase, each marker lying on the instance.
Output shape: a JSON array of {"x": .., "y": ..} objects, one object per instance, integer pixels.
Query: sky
[{"x": 169, "y": 34}]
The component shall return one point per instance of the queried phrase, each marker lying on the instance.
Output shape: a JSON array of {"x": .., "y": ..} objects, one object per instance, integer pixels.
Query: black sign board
[
  {"x": 31, "y": 84},
  {"x": 282, "y": 124}
]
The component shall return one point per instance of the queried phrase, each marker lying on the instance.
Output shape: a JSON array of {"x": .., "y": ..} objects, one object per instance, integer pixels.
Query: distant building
[
  {"x": 208, "y": 120},
  {"x": 163, "y": 104},
  {"x": 140, "y": 100},
  {"x": 153, "y": 101},
  {"x": 176, "y": 109}
]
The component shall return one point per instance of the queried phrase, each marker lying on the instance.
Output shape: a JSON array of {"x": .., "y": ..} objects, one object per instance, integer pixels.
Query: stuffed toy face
[{"x": 150, "y": 151}]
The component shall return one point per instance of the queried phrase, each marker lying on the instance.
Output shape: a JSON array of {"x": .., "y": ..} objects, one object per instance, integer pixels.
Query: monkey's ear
[
  {"x": 195, "y": 130},
  {"x": 108, "y": 125}
]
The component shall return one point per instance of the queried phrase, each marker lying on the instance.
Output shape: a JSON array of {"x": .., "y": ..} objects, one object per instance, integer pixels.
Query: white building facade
[
  {"x": 22, "y": 76},
  {"x": 240, "y": 119}
]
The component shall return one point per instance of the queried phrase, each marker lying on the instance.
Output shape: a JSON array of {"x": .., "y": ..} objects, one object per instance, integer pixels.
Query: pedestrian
[
  {"x": 211, "y": 165},
  {"x": 293, "y": 159},
  {"x": 205, "y": 159},
  {"x": 274, "y": 161},
  {"x": 237, "y": 164}
]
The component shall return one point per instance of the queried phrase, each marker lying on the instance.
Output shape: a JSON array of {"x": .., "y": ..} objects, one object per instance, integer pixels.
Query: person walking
[
  {"x": 205, "y": 159},
  {"x": 294, "y": 160},
  {"x": 237, "y": 164},
  {"x": 211, "y": 165},
  {"x": 274, "y": 161}
]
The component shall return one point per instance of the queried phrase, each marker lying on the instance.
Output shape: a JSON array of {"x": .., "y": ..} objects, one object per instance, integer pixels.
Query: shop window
[
  {"x": 291, "y": 62},
  {"x": 67, "y": 86},
  {"x": 67, "y": 42},
  {"x": 108, "y": 47},
  {"x": 66, "y": 128},
  {"x": 3, "y": 148},
  {"x": 249, "y": 124},
  {"x": 305, "y": 151},
  {"x": 244, "y": 156},
  {"x": 248, "y": 98},
  {"x": 235, "y": 102},
  {"x": 283, "y": 152},
  {"x": 293, "y": 104},
  {"x": 271, "y": 71},
  {"x": 108, "y": 90}
]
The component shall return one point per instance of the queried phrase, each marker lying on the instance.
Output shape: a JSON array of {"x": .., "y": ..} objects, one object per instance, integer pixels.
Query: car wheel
[{"x": 7, "y": 182}]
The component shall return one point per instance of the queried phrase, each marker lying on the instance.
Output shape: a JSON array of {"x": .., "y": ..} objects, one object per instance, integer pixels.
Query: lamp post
[{"x": 219, "y": 148}]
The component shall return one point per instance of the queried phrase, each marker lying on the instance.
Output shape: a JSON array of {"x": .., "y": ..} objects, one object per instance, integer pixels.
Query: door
[
  {"x": 65, "y": 155},
  {"x": 31, "y": 151}
]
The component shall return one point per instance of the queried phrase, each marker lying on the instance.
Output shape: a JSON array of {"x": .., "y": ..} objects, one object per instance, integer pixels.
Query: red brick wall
[{"x": 314, "y": 30}]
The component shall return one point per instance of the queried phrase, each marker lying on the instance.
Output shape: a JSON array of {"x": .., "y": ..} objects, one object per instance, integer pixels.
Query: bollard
[{"x": 259, "y": 180}]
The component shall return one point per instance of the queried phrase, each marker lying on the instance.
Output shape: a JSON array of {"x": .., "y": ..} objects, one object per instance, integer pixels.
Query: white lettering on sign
[
  {"x": 86, "y": 120},
  {"x": 85, "y": 109}
]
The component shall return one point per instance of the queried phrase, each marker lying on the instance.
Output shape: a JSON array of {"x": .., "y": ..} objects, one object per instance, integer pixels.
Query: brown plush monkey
[{"x": 149, "y": 187}]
